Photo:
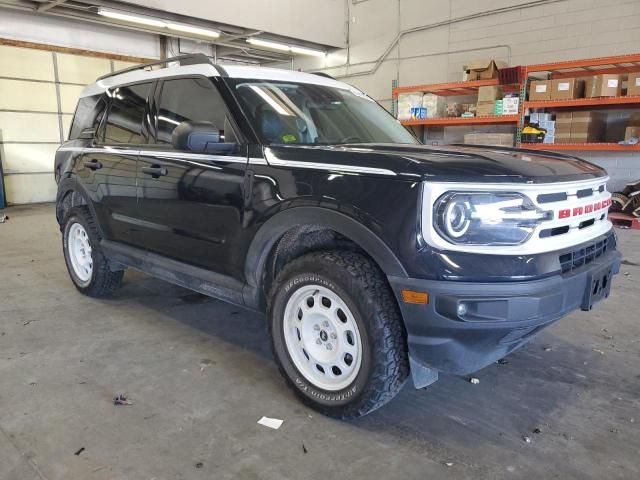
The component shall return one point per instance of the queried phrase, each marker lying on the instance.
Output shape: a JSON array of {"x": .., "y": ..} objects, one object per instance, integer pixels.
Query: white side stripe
[{"x": 273, "y": 160}]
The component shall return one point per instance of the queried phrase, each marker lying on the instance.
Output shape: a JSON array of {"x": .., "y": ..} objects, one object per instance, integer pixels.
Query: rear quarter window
[{"x": 88, "y": 114}]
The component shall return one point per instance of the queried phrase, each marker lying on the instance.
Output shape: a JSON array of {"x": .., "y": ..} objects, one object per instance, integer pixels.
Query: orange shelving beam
[
  {"x": 583, "y": 102},
  {"x": 589, "y": 66},
  {"x": 448, "y": 89},
  {"x": 582, "y": 147},
  {"x": 451, "y": 121}
]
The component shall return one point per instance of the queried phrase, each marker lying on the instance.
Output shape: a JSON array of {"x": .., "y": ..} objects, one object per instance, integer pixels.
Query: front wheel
[{"x": 337, "y": 334}]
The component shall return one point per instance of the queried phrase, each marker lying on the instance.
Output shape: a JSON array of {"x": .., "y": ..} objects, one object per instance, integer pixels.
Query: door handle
[
  {"x": 93, "y": 164},
  {"x": 155, "y": 171}
]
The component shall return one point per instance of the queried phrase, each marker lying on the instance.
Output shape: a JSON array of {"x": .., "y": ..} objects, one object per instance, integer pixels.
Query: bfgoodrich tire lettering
[
  {"x": 101, "y": 281},
  {"x": 361, "y": 286}
]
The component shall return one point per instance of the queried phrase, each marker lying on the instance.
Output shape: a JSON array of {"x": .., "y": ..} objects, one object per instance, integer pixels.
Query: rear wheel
[
  {"x": 337, "y": 334},
  {"x": 88, "y": 267}
]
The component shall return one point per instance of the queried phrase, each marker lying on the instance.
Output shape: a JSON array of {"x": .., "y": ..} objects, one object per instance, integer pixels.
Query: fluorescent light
[
  {"x": 286, "y": 48},
  {"x": 205, "y": 32},
  {"x": 129, "y": 17},
  {"x": 266, "y": 43},
  {"x": 308, "y": 51}
]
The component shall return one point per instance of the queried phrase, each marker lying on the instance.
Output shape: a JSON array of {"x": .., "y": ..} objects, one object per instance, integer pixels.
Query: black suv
[{"x": 372, "y": 255}]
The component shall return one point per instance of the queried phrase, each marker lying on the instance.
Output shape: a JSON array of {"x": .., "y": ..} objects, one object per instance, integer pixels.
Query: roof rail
[
  {"x": 191, "y": 59},
  {"x": 322, "y": 74}
]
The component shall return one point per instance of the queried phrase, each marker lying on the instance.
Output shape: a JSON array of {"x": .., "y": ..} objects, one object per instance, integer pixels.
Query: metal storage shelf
[
  {"x": 453, "y": 121},
  {"x": 565, "y": 69}
]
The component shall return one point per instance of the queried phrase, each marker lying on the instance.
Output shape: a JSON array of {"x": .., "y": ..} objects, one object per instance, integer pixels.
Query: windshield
[{"x": 307, "y": 114}]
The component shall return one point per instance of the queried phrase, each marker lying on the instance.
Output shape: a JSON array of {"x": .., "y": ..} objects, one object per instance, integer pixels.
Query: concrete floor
[{"x": 200, "y": 374}]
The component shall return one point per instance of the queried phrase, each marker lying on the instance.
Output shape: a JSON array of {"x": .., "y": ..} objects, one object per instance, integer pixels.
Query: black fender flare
[
  {"x": 70, "y": 185},
  {"x": 273, "y": 229}
]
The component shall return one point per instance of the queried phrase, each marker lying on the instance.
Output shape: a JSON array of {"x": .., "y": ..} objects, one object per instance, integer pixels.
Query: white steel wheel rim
[
  {"x": 79, "y": 249},
  {"x": 322, "y": 337}
]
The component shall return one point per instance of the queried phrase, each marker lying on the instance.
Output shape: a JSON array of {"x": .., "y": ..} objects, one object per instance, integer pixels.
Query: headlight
[{"x": 484, "y": 218}]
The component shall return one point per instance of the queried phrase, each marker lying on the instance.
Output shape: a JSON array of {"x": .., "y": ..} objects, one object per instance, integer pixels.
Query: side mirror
[
  {"x": 87, "y": 134},
  {"x": 199, "y": 137}
]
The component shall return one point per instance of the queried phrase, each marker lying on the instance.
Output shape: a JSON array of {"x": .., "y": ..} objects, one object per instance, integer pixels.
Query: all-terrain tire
[
  {"x": 363, "y": 289},
  {"x": 103, "y": 280}
]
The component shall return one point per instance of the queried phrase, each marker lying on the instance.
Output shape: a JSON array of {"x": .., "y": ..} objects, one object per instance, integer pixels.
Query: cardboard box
[
  {"x": 587, "y": 127},
  {"x": 563, "y": 137},
  {"x": 434, "y": 105},
  {"x": 485, "y": 108},
  {"x": 489, "y": 93},
  {"x": 494, "y": 139},
  {"x": 631, "y": 132},
  {"x": 510, "y": 105},
  {"x": 606, "y": 85},
  {"x": 406, "y": 102},
  {"x": 634, "y": 119},
  {"x": 483, "y": 69},
  {"x": 540, "y": 90},
  {"x": 567, "y": 88},
  {"x": 633, "y": 84},
  {"x": 564, "y": 117}
]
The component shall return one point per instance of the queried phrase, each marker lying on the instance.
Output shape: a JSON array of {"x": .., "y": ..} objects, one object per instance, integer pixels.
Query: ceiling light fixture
[
  {"x": 308, "y": 51},
  {"x": 268, "y": 44},
  {"x": 129, "y": 17},
  {"x": 156, "y": 22},
  {"x": 286, "y": 48},
  {"x": 205, "y": 32}
]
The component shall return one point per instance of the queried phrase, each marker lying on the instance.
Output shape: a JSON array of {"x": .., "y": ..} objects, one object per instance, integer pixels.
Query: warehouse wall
[
  {"x": 557, "y": 30},
  {"x": 39, "y": 90}
]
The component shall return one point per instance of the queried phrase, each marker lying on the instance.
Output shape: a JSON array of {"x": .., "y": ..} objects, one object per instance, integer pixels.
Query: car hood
[{"x": 447, "y": 164}]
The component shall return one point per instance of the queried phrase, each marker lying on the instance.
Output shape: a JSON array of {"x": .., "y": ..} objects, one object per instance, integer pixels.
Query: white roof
[{"x": 207, "y": 70}]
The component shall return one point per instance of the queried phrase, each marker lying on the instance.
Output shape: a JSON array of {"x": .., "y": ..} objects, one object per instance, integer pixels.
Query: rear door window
[
  {"x": 183, "y": 99},
  {"x": 126, "y": 121}
]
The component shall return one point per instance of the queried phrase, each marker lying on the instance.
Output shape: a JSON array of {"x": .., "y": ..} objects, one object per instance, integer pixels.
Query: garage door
[{"x": 38, "y": 94}]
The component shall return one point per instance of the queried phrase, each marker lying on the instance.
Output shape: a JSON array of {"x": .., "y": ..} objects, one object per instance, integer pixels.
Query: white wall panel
[
  {"x": 120, "y": 65},
  {"x": 71, "y": 33},
  {"x": 69, "y": 95},
  {"x": 26, "y": 63},
  {"x": 30, "y": 188},
  {"x": 29, "y": 127},
  {"x": 80, "y": 69},
  {"x": 22, "y": 158},
  {"x": 25, "y": 95},
  {"x": 66, "y": 124}
]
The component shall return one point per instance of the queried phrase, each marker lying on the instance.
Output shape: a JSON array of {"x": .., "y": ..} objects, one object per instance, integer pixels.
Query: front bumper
[{"x": 499, "y": 316}]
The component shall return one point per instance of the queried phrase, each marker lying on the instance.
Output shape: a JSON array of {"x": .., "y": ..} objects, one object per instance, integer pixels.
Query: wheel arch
[
  {"x": 71, "y": 194},
  {"x": 274, "y": 229}
]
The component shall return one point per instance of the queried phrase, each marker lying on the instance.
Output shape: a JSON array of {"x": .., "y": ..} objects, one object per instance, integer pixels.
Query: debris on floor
[
  {"x": 502, "y": 361},
  {"x": 526, "y": 439},
  {"x": 537, "y": 431},
  {"x": 548, "y": 349},
  {"x": 274, "y": 423},
  {"x": 304, "y": 449},
  {"x": 598, "y": 351},
  {"x": 199, "y": 465},
  {"x": 204, "y": 363},
  {"x": 79, "y": 451},
  {"x": 121, "y": 400},
  {"x": 474, "y": 380},
  {"x": 4, "y": 218},
  {"x": 448, "y": 464}
]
